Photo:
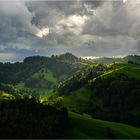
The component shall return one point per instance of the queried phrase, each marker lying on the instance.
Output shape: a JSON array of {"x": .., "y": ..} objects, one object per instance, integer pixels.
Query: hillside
[
  {"x": 131, "y": 70},
  {"x": 67, "y": 57},
  {"x": 112, "y": 94},
  {"x": 107, "y": 60},
  {"x": 49, "y": 68},
  {"x": 132, "y": 58},
  {"x": 83, "y": 126},
  {"x": 108, "y": 92}
]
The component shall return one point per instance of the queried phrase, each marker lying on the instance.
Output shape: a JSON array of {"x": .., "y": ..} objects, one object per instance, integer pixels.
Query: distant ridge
[
  {"x": 66, "y": 57},
  {"x": 107, "y": 60},
  {"x": 133, "y": 58}
]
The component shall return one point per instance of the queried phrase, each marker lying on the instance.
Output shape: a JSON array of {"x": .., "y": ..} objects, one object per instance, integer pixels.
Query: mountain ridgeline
[
  {"x": 52, "y": 97},
  {"x": 106, "y": 60}
]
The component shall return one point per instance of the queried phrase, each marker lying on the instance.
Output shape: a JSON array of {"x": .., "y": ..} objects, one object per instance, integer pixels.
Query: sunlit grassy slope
[
  {"x": 130, "y": 70},
  {"x": 43, "y": 93},
  {"x": 6, "y": 96},
  {"x": 83, "y": 126},
  {"x": 47, "y": 75}
]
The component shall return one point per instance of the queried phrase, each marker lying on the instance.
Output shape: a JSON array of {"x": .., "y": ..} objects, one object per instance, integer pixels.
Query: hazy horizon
[{"x": 83, "y": 57}]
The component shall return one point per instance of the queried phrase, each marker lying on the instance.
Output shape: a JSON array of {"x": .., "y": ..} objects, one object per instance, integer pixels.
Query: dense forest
[{"x": 25, "y": 118}]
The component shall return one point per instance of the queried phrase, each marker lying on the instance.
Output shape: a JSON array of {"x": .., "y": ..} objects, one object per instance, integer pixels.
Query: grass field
[
  {"x": 43, "y": 93},
  {"x": 47, "y": 75},
  {"x": 6, "y": 96},
  {"x": 83, "y": 126},
  {"x": 130, "y": 70}
]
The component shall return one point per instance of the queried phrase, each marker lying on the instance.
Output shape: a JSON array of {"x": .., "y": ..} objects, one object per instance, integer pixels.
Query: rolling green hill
[
  {"x": 51, "y": 68},
  {"x": 112, "y": 94},
  {"x": 132, "y": 58},
  {"x": 131, "y": 70},
  {"x": 107, "y": 60},
  {"x": 6, "y": 96},
  {"x": 41, "y": 79},
  {"x": 83, "y": 126}
]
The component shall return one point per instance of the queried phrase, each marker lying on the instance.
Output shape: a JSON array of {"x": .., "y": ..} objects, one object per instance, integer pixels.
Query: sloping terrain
[
  {"x": 106, "y": 92},
  {"x": 112, "y": 95},
  {"x": 83, "y": 126},
  {"x": 131, "y": 70}
]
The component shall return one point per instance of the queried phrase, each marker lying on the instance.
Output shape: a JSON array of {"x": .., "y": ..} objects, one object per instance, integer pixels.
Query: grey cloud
[
  {"x": 49, "y": 12},
  {"x": 16, "y": 29},
  {"x": 16, "y": 16},
  {"x": 111, "y": 28},
  {"x": 115, "y": 19}
]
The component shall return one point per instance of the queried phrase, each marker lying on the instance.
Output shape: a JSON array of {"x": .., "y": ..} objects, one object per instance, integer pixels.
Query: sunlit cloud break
[{"x": 43, "y": 32}]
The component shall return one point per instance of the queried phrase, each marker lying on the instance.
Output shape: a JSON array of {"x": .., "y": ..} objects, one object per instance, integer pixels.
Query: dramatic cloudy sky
[{"x": 85, "y": 28}]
